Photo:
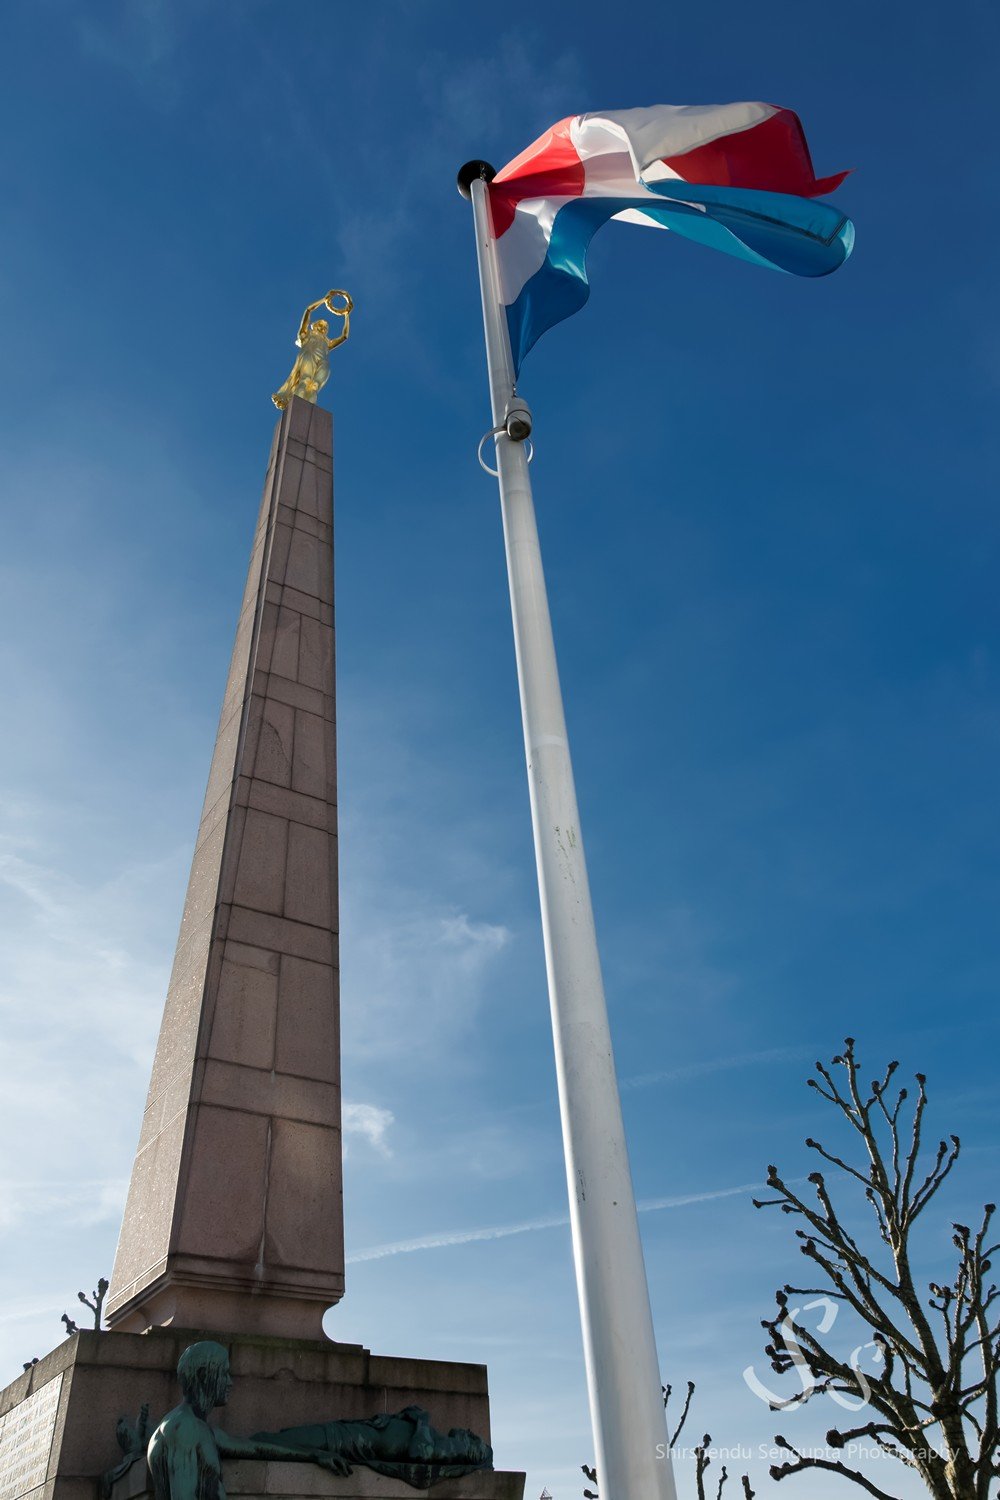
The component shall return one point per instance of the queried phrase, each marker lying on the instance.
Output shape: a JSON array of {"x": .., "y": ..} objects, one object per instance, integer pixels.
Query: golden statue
[{"x": 311, "y": 370}]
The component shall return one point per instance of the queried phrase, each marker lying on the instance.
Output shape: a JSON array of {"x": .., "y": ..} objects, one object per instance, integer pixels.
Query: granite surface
[
  {"x": 234, "y": 1216},
  {"x": 92, "y": 1379},
  {"x": 261, "y": 1481}
]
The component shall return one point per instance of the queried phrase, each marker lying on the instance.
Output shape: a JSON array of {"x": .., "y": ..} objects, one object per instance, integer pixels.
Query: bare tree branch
[
  {"x": 702, "y": 1457},
  {"x": 667, "y": 1389},
  {"x": 934, "y": 1397},
  {"x": 832, "y": 1466}
]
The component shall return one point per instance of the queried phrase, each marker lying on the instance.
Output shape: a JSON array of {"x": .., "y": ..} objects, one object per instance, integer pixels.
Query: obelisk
[
  {"x": 234, "y": 1216},
  {"x": 233, "y": 1227}
]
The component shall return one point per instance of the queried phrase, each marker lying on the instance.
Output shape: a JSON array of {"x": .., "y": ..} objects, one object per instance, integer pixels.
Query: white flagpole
[{"x": 623, "y": 1376}]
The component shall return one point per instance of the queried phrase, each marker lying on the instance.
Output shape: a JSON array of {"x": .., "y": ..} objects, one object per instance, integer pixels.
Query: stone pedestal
[
  {"x": 57, "y": 1420},
  {"x": 234, "y": 1216},
  {"x": 274, "y": 1481}
]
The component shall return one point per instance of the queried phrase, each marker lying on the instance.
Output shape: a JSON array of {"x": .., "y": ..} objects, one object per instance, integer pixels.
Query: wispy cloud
[
  {"x": 73, "y": 951},
  {"x": 514, "y": 87},
  {"x": 81, "y": 990},
  {"x": 371, "y": 1122},
  {"x": 78, "y": 1203},
  {"x": 508, "y": 93},
  {"x": 19, "y": 1310},
  {"x": 141, "y": 34},
  {"x": 530, "y": 1226},
  {"x": 411, "y": 975}
]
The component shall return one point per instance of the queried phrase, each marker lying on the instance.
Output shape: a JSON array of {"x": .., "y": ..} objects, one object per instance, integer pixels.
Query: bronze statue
[
  {"x": 185, "y": 1454},
  {"x": 311, "y": 369},
  {"x": 401, "y": 1444}
]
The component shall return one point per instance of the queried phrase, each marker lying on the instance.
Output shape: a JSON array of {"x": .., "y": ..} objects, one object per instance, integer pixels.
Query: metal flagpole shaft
[{"x": 623, "y": 1377}]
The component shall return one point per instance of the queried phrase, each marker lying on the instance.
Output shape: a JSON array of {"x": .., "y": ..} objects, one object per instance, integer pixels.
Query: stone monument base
[
  {"x": 251, "y": 1480},
  {"x": 57, "y": 1420}
]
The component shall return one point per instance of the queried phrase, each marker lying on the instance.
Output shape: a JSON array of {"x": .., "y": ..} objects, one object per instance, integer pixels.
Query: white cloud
[
  {"x": 471, "y": 942},
  {"x": 371, "y": 1122},
  {"x": 412, "y": 977}
]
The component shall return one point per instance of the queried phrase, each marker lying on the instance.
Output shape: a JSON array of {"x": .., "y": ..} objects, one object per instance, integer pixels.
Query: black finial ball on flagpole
[{"x": 468, "y": 174}]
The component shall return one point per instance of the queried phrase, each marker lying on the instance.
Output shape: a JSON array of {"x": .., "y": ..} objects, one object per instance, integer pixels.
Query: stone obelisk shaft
[{"x": 234, "y": 1218}]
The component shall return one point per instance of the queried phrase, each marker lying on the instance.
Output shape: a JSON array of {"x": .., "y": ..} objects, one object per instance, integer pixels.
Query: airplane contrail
[
  {"x": 529, "y": 1226},
  {"x": 717, "y": 1065}
]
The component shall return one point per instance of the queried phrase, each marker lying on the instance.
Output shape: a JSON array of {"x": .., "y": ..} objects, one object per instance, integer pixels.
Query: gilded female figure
[{"x": 311, "y": 370}]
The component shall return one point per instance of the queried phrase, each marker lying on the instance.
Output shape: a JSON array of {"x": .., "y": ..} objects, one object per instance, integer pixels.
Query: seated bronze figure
[{"x": 185, "y": 1453}]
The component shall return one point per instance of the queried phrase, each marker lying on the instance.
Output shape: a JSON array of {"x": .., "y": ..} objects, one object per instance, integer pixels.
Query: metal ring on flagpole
[
  {"x": 479, "y": 452},
  {"x": 495, "y": 433}
]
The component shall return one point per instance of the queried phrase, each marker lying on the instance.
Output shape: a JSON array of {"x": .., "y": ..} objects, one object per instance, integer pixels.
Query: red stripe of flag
[
  {"x": 549, "y": 168},
  {"x": 772, "y": 157}
]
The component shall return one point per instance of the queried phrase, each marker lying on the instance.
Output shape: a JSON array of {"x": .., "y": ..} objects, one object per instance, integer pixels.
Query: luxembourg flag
[{"x": 737, "y": 177}]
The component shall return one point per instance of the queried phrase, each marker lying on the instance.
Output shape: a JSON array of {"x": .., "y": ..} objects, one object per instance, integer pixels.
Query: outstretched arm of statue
[
  {"x": 234, "y": 1447},
  {"x": 422, "y": 1441},
  {"x": 347, "y": 328},
  {"x": 304, "y": 325}
]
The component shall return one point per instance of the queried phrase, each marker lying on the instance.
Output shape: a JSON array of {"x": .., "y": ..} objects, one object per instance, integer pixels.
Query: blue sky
[{"x": 768, "y": 514}]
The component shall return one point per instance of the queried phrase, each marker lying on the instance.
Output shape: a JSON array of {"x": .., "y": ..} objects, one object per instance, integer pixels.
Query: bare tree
[
  {"x": 702, "y": 1457},
  {"x": 933, "y": 1401},
  {"x": 96, "y": 1304}
]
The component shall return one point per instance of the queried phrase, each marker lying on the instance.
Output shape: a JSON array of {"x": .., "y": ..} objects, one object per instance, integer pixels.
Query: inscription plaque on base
[{"x": 26, "y": 1434}]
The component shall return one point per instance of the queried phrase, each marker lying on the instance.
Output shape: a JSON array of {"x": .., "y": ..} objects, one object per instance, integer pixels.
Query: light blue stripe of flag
[{"x": 801, "y": 236}]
